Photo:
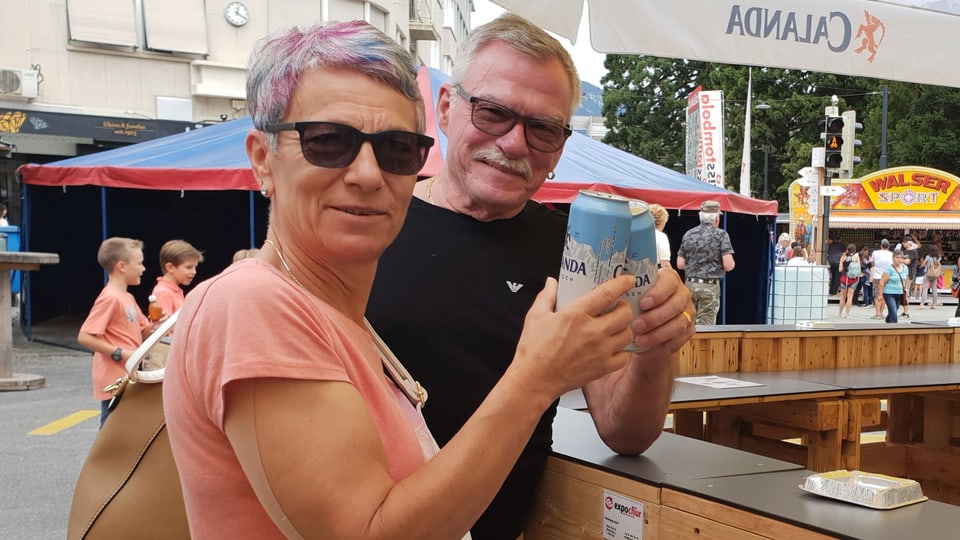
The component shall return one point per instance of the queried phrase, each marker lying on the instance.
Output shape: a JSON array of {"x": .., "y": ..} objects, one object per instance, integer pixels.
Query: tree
[{"x": 645, "y": 103}]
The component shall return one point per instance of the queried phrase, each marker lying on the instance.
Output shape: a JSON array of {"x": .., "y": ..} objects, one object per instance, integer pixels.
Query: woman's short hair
[{"x": 278, "y": 61}]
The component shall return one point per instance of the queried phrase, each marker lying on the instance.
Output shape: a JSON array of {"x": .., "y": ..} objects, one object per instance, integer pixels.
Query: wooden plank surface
[{"x": 690, "y": 510}]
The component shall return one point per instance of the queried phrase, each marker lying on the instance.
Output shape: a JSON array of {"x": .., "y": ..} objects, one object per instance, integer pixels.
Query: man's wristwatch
[{"x": 117, "y": 354}]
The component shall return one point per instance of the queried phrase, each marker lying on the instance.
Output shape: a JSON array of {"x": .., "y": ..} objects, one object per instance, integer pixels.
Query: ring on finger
[{"x": 688, "y": 317}]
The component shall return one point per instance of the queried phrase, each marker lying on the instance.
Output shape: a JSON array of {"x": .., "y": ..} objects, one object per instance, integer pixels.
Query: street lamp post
[
  {"x": 762, "y": 105},
  {"x": 766, "y": 158}
]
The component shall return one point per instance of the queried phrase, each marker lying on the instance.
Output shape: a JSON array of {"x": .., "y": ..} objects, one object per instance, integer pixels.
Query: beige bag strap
[{"x": 411, "y": 388}]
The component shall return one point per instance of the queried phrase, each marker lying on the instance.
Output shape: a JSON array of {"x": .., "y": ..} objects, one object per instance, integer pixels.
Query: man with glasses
[{"x": 452, "y": 291}]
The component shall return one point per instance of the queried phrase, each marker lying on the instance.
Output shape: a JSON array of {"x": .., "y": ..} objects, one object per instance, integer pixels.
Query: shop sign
[
  {"x": 97, "y": 128},
  {"x": 912, "y": 188}
]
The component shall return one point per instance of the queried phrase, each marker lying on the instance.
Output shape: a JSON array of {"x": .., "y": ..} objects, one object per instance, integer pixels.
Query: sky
[{"x": 588, "y": 61}]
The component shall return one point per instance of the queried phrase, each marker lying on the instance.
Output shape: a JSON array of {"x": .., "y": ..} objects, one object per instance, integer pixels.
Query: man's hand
[{"x": 666, "y": 321}]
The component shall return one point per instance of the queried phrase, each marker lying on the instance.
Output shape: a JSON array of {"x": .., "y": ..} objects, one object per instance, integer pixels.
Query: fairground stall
[{"x": 919, "y": 201}]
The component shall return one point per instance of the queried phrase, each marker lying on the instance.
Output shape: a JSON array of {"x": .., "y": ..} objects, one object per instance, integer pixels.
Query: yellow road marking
[{"x": 65, "y": 422}]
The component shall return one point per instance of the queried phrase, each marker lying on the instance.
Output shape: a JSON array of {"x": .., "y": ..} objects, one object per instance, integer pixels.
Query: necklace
[
  {"x": 430, "y": 189},
  {"x": 284, "y": 263}
]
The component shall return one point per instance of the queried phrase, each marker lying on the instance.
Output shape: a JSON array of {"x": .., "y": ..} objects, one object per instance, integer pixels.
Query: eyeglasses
[
  {"x": 334, "y": 146},
  {"x": 495, "y": 119}
]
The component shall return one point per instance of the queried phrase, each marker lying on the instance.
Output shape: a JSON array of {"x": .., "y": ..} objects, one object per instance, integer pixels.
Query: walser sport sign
[{"x": 901, "y": 189}]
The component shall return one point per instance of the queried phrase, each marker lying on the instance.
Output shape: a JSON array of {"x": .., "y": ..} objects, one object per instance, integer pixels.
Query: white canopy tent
[{"x": 893, "y": 40}]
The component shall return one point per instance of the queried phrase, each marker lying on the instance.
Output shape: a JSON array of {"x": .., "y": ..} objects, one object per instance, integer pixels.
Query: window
[
  {"x": 167, "y": 25},
  {"x": 175, "y": 25},
  {"x": 110, "y": 22}
]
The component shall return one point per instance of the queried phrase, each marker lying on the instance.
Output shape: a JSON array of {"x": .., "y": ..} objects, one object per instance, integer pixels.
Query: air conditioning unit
[{"x": 19, "y": 83}]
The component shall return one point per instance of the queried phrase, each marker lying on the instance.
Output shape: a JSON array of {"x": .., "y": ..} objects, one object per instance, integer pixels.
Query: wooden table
[
  {"x": 922, "y": 421},
  {"x": 757, "y": 418},
  {"x": 691, "y": 489},
  {"x": 16, "y": 260}
]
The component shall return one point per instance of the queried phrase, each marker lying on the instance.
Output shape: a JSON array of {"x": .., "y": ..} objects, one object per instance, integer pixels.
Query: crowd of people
[{"x": 883, "y": 277}]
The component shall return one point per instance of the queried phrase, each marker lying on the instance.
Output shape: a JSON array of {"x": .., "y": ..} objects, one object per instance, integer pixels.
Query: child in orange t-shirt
[
  {"x": 178, "y": 260},
  {"x": 115, "y": 326}
]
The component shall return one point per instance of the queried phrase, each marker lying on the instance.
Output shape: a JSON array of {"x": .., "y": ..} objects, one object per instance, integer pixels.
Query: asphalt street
[{"x": 38, "y": 471}]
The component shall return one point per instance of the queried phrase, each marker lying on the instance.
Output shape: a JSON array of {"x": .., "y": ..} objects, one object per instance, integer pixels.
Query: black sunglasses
[
  {"x": 334, "y": 146},
  {"x": 495, "y": 119}
]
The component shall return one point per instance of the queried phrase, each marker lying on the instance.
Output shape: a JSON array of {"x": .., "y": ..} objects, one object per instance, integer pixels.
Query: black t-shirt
[
  {"x": 449, "y": 299},
  {"x": 914, "y": 263}
]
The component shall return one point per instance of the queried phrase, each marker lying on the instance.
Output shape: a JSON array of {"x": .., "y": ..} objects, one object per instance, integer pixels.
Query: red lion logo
[{"x": 868, "y": 30}]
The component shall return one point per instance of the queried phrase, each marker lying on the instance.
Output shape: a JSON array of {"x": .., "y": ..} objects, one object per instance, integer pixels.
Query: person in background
[
  {"x": 931, "y": 277},
  {"x": 178, "y": 260},
  {"x": 705, "y": 254},
  {"x": 835, "y": 252},
  {"x": 850, "y": 273},
  {"x": 4, "y": 222},
  {"x": 660, "y": 217},
  {"x": 281, "y": 419},
  {"x": 893, "y": 283},
  {"x": 780, "y": 251},
  {"x": 882, "y": 259},
  {"x": 866, "y": 282},
  {"x": 799, "y": 257},
  {"x": 115, "y": 325},
  {"x": 910, "y": 251},
  {"x": 956, "y": 279},
  {"x": 241, "y": 254},
  {"x": 793, "y": 245},
  {"x": 451, "y": 292},
  {"x": 911, "y": 258}
]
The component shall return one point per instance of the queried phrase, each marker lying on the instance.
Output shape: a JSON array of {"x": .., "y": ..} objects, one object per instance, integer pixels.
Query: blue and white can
[
  {"x": 595, "y": 249},
  {"x": 641, "y": 260}
]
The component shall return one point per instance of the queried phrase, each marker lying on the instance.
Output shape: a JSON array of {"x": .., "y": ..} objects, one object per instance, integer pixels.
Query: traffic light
[
  {"x": 850, "y": 142},
  {"x": 833, "y": 142}
]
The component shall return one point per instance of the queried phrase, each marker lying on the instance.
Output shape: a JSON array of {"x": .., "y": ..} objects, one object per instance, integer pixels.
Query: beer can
[
  {"x": 641, "y": 260},
  {"x": 595, "y": 248}
]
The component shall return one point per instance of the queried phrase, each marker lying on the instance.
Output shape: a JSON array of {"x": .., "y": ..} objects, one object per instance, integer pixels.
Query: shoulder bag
[
  {"x": 905, "y": 295},
  {"x": 129, "y": 486}
]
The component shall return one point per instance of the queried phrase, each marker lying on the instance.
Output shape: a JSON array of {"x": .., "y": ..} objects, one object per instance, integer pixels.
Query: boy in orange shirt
[
  {"x": 178, "y": 260},
  {"x": 115, "y": 326}
]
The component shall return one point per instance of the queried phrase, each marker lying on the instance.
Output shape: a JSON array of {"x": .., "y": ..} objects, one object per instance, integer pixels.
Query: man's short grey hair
[
  {"x": 708, "y": 218},
  {"x": 522, "y": 36}
]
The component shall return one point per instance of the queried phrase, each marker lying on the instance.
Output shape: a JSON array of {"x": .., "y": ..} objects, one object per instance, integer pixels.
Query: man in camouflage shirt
[{"x": 705, "y": 254}]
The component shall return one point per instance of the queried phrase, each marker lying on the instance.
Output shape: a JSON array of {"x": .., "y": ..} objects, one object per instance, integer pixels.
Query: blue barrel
[{"x": 12, "y": 233}]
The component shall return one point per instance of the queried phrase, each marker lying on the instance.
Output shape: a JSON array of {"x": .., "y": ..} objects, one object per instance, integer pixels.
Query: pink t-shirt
[
  {"x": 251, "y": 322},
  {"x": 116, "y": 318},
  {"x": 169, "y": 295}
]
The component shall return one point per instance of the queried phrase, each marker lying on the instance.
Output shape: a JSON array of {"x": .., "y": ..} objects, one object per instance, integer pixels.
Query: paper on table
[{"x": 713, "y": 381}]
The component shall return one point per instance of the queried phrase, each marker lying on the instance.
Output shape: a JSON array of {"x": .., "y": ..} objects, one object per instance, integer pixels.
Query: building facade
[{"x": 81, "y": 76}]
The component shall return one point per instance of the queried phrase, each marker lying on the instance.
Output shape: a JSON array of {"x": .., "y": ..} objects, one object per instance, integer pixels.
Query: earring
[
  {"x": 551, "y": 175},
  {"x": 263, "y": 191}
]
